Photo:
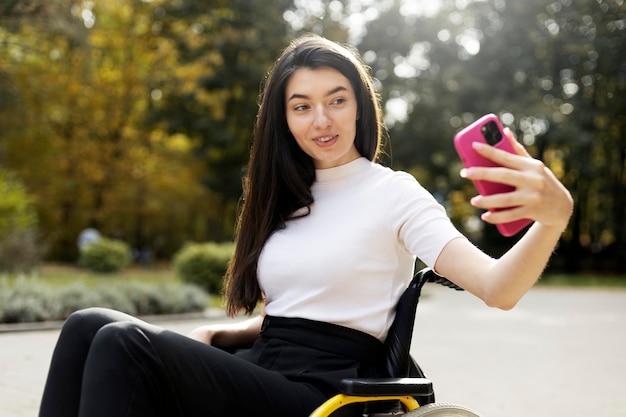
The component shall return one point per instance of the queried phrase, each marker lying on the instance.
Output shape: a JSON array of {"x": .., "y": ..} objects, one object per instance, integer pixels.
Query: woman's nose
[{"x": 321, "y": 118}]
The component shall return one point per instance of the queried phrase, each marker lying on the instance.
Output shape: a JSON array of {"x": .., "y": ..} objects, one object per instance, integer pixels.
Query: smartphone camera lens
[{"x": 491, "y": 133}]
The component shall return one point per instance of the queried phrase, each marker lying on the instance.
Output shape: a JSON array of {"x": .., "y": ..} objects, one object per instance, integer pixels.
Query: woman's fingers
[
  {"x": 537, "y": 193},
  {"x": 519, "y": 148}
]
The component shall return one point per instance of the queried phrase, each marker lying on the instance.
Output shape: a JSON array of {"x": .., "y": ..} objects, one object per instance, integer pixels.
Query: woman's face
[{"x": 321, "y": 110}]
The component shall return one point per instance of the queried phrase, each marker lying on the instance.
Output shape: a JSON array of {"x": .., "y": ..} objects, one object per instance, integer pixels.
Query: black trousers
[{"x": 109, "y": 364}]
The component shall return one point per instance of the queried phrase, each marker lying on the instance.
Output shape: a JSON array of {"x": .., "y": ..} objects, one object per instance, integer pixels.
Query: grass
[
  {"x": 61, "y": 275},
  {"x": 584, "y": 280}
]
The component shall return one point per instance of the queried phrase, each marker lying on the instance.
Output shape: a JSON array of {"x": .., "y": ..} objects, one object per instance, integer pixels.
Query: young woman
[{"x": 326, "y": 242}]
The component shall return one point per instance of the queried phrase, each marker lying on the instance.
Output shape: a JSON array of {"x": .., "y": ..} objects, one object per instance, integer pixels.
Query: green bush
[
  {"x": 204, "y": 264},
  {"x": 105, "y": 255},
  {"x": 29, "y": 300}
]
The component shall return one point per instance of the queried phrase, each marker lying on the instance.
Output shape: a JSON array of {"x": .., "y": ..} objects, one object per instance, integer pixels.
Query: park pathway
[{"x": 560, "y": 352}]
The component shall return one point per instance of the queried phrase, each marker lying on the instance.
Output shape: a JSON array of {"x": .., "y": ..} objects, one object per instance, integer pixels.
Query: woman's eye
[
  {"x": 339, "y": 100},
  {"x": 300, "y": 107}
]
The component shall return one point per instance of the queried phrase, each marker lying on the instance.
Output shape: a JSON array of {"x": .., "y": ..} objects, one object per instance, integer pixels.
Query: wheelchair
[{"x": 408, "y": 392}]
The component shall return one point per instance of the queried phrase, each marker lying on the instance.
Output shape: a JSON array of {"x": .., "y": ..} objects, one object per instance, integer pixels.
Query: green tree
[
  {"x": 20, "y": 248},
  {"x": 225, "y": 50},
  {"x": 77, "y": 131},
  {"x": 587, "y": 97},
  {"x": 17, "y": 211},
  {"x": 135, "y": 117},
  {"x": 549, "y": 70}
]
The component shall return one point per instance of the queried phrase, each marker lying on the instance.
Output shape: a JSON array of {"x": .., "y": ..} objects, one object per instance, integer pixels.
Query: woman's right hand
[
  {"x": 538, "y": 194},
  {"x": 226, "y": 335},
  {"x": 203, "y": 334}
]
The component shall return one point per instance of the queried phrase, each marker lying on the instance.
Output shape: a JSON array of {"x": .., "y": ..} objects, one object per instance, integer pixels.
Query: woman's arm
[
  {"x": 538, "y": 196},
  {"x": 225, "y": 335}
]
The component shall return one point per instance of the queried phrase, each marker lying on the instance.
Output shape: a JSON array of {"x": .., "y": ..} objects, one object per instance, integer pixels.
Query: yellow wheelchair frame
[
  {"x": 408, "y": 392},
  {"x": 341, "y": 400}
]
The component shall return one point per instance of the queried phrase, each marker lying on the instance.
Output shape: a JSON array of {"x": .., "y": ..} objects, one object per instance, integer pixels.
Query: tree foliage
[
  {"x": 17, "y": 211},
  {"x": 132, "y": 119},
  {"x": 135, "y": 117},
  {"x": 549, "y": 70},
  {"x": 225, "y": 50},
  {"x": 21, "y": 248}
]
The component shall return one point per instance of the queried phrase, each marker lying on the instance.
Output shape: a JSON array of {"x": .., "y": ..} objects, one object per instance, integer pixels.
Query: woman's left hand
[{"x": 539, "y": 195}]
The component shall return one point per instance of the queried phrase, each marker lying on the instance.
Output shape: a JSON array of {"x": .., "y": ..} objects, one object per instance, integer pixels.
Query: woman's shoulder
[{"x": 395, "y": 178}]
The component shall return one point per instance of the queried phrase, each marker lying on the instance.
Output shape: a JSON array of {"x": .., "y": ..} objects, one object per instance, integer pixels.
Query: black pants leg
[{"x": 110, "y": 364}]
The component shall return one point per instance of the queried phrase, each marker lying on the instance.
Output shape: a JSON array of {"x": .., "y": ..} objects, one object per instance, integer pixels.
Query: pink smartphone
[{"x": 487, "y": 129}]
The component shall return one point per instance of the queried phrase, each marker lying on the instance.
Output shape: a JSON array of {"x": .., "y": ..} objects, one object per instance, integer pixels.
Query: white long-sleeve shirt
[{"x": 351, "y": 258}]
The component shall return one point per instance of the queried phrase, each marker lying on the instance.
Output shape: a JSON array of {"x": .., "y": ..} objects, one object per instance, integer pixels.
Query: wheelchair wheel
[{"x": 442, "y": 410}]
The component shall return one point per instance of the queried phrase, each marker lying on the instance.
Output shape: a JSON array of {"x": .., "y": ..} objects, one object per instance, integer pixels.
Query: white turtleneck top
[{"x": 351, "y": 258}]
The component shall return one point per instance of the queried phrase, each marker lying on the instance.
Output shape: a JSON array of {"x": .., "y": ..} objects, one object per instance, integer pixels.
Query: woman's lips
[{"x": 326, "y": 140}]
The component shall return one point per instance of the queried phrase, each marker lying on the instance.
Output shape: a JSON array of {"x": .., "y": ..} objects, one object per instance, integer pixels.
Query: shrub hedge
[
  {"x": 105, "y": 255},
  {"x": 204, "y": 264},
  {"x": 29, "y": 300}
]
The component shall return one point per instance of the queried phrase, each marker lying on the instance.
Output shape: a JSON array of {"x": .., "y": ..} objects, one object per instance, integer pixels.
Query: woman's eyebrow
[{"x": 330, "y": 93}]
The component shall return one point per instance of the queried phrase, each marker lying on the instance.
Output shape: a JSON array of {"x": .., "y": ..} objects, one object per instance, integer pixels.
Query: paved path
[{"x": 558, "y": 353}]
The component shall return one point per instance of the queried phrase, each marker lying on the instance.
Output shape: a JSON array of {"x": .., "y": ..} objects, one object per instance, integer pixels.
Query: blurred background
[{"x": 133, "y": 118}]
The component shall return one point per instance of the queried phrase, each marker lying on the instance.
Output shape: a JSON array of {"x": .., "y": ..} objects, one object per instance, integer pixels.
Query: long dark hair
[{"x": 279, "y": 174}]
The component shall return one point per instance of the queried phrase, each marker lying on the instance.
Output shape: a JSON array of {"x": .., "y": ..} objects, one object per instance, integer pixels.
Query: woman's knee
[
  {"x": 124, "y": 343},
  {"x": 87, "y": 319},
  {"x": 116, "y": 331},
  {"x": 87, "y": 322}
]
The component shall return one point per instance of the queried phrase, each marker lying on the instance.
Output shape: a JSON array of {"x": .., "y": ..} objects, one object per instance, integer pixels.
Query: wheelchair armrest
[{"x": 370, "y": 387}]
